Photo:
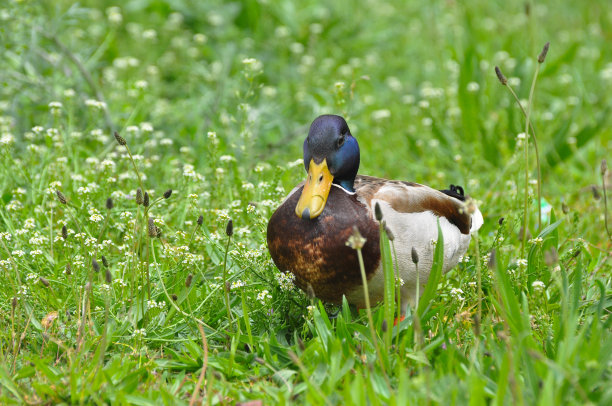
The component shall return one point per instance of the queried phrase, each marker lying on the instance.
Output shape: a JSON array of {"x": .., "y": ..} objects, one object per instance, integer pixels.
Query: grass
[{"x": 213, "y": 100}]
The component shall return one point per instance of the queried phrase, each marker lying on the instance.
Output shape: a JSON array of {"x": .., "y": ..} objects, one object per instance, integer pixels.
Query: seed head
[
  {"x": 542, "y": 55},
  {"x": 64, "y": 233},
  {"x": 389, "y": 233},
  {"x": 476, "y": 321},
  {"x": 300, "y": 344},
  {"x": 104, "y": 261},
  {"x": 500, "y": 76},
  {"x": 152, "y": 228},
  {"x": 68, "y": 269},
  {"x": 61, "y": 197},
  {"x": 95, "y": 265},
  {"x": 564, "y": 208},
  {"x": 44, "y": 281},
  {"x": 109, "y": 276},
  {"x": 138, "y": 196},
  {"x": 120, "y": 139},
  {"x": 310, "y": 291},
  {"x": 492, "y": 263},
  {"x": 14, "y": 302},
  {"x": 595, "y": 191},
  {"x": 415, "y": 256},
  {"x": 188, "y": 280},
  {"x": 604, "y": 167},
  {"x": 109, "y": 203},
  {"x": 200, "y": 220},
  {"x": 377, "y": 212},
  {"x": 384, "y": 326},
  {"x": 145, "y": 200},
  {"x": 229, "y": 229},
  {"x": 167, "y": 193},
  {"x": 356, "y": 241}
]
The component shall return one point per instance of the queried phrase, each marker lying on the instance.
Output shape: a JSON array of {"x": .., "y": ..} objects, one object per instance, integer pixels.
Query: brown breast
[{"x": 315, "y": 251}]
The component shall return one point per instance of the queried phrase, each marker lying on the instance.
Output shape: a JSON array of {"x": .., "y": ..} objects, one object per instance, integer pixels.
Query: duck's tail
[{"x": 477, "y": 220}]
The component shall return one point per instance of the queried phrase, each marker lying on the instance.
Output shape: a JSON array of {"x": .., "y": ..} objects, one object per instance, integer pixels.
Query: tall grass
[{"x": 214, "y": 102}]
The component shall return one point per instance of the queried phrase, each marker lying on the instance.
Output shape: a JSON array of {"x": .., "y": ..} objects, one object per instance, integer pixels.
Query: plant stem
[
  {"x": 605, "y": 198},
  {"x": 366, "y": 294},
  {"x": 537, "y": 153},
  {"x": 178, "y": 309},
  {"x": 245, "y": 315},
  {"x": 479, "y": 276},
  {"x": 416, "y": 317},
  {"x": 225, "y": 287}
]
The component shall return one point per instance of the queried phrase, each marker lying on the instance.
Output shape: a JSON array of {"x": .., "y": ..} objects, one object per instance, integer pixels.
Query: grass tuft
[{"x": 204, "y": 110}]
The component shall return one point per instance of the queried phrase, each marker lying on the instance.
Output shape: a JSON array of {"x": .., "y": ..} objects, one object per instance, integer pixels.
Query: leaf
[
  {"x": 434, "y": 276},
  {"x": 389, "y": 284},
  {"x": 8, "y": 383}
]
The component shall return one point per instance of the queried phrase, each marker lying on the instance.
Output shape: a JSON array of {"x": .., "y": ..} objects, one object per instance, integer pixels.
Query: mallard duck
[{"x": 307, "y": 234}]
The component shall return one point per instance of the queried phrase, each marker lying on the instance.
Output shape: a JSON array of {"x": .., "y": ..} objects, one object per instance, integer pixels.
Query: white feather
[{"x": 418, "y": 230}]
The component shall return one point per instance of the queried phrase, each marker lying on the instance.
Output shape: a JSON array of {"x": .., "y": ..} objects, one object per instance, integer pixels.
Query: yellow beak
[{"x": 314, "y": 196}]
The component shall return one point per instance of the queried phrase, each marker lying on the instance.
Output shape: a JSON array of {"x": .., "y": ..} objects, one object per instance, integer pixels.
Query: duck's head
[{"x": 331, "y": 155}]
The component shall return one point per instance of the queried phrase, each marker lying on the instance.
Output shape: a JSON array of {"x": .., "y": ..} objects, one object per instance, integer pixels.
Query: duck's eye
[{"x": 340, "y": 141}]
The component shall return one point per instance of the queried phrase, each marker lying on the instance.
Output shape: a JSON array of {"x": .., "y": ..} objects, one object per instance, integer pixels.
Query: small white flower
[
  {"x": 55, "y": 107},
  {"x": 285, "y": 280},
  {"x": 457, "y": 293},
  {"x": 200, "y": 38},
  {"x": 521, "y": 262},
  {"x": 424, "y": 104},
  {"x": 264, "y": 296},
  {"x": 514, "y": 81},
  {"x": 473, "y": 87},
  {"x": 7, "y": 139},
  {"x": 538, "y": 286},
  {"x": 237, "y": 284},
  {"x": 138, "y": 333},
  {"x": 114, "y": 15},
  {"x": 95, "y": 104},
  {"x": 378, "y": 115},
  {"x": 96, "y": 218}
]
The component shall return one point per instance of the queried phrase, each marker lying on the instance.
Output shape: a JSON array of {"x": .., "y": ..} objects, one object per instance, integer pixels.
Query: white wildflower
[
  {"x": 457, "y": 293},
  {"x": 538, "y": 286}
]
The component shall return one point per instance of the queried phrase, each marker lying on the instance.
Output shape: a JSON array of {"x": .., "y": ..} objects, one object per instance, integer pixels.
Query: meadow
[{"x": 117, "y": 251}]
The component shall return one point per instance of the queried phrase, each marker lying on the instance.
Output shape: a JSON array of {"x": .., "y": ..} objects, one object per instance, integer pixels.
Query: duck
[{"x": 307, "y": 234}]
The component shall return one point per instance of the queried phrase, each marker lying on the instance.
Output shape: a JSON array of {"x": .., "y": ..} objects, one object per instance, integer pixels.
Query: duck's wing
[{"x": 408, "y": 197}]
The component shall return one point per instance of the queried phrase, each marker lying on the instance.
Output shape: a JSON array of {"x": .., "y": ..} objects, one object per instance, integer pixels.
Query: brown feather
[
  {"x": 408, "y": 197},
  {"x": 315, "y": 250}
]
